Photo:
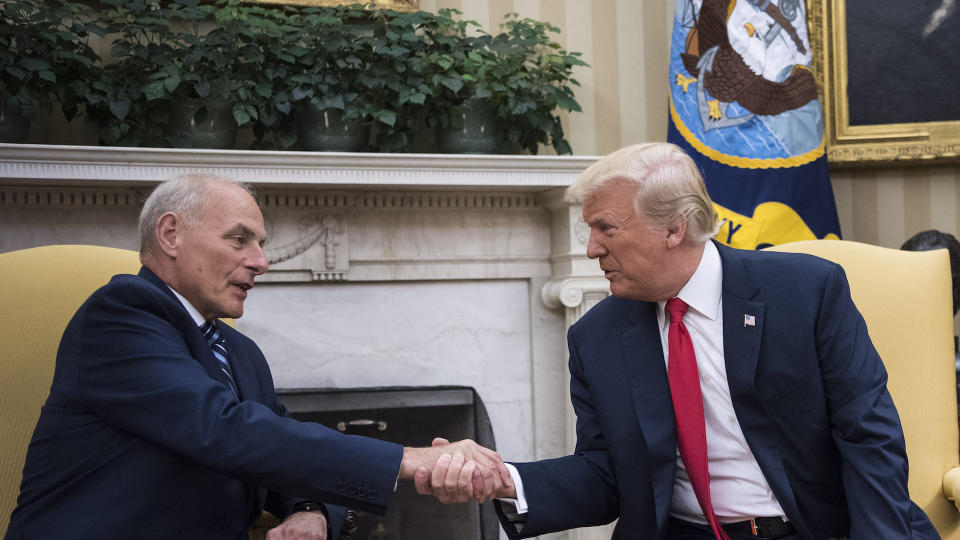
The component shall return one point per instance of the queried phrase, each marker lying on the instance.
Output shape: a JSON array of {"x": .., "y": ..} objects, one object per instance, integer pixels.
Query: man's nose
[
  {"x": 258, "y": 260},
  {"x": 594, "y": 247}
]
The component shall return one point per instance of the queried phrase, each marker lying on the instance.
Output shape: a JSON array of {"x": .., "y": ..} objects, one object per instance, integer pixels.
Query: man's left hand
[{"x": 301, "y": 526}]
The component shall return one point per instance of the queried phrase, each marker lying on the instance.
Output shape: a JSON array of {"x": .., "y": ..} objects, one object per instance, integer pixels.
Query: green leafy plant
[
  {"x": 277, "y": 32},
  {"x": 44, "y": 53},
  {"x": 322, "y": 63},
  {"x": 532, "y": 82},
  {"x": 521, "y": 72},
  {"x": 166, "y": 52},
  {"x": 400, "y": 72},
  {"x": 460, "y": 60},
  {"x": 401, "y": 56}
]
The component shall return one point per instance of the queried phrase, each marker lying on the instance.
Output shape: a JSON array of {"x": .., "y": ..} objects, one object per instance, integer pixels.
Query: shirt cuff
[{"x": 520, "y": 503}]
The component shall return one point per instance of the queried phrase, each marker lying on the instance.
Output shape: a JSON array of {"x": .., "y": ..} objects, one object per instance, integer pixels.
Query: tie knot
[{"x": 676, "y": 308}]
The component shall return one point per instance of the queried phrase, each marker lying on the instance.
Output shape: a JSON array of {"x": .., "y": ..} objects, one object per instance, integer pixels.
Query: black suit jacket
[
  {"x": 141, "y": 437},
  {"x": 808, "y": 388}
]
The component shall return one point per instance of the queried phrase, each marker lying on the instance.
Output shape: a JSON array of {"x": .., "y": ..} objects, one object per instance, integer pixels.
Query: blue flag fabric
[{"x": 743, "y": 104}]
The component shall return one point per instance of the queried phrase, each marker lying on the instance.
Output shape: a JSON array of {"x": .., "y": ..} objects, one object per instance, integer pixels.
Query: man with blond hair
[
  {"x": 719, "y": 393},
  {"x": 162, "y": 421}
]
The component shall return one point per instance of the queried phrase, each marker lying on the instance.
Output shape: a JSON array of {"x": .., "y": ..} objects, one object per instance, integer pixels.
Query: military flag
[{"x": 743, "y": 103}]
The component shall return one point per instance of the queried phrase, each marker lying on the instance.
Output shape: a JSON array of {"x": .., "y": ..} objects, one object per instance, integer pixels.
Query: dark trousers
[{"x": 684, "y": 530}]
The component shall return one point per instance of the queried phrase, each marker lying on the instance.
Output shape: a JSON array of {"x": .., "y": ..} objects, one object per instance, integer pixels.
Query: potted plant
[
  {"x": 520, "y": 74},
  {"x": 401, "y": 92},
  {"x": 459, "y": 62},
  {"x": 334, "y": 73},
  {"x": 175, "y": 79},
  {"x": 532, "y": 83},
  {"x": 43, "y": 49},
  {"x": 277, "y": 36},
  {"x": 328, "y": 83}
]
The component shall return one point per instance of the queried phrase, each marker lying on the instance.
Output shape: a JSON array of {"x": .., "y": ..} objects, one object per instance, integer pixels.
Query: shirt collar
[
  {"x": 194, "y": 312},
  {"x": 703, "y": 291}
]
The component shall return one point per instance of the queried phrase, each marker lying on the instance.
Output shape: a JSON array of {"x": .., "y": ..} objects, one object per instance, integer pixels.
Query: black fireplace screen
[{"x": 411, "y": 416}]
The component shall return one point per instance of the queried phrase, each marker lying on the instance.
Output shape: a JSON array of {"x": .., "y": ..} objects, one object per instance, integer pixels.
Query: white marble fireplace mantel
[
  {"x": 386, "y": 269},
  {"x": 330, "y": 169}
]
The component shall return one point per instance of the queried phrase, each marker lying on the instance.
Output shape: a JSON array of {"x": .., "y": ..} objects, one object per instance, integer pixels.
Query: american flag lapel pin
[{"x": 749, "y": 320}]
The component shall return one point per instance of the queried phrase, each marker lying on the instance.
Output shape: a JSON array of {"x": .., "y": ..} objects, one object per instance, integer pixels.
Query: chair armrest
[{"x": 951, "y": 486}]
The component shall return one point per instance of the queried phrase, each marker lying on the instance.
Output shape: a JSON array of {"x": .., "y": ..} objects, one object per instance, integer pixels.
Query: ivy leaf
[
  {"x": 18, "y": 73},
  {"x": 154, "y": 90},
  {"x": 120, "y": 107},
  {"x": 202, "y": 88},
  {"x": 387, "y": 117},
  {"x": 453, "y": 83},
  {"x": 299, "y": 93},
  {"x": 263, "y": 90},
  {"x": 171, "y": 82},
  {"x": 568, "y": 103},
  {"x": 34, "y": 64},
  {"x": 240, "y": 115}
]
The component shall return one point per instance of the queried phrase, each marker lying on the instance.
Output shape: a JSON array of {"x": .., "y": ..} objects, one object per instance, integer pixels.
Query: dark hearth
[{"x": 411, "y": 416}]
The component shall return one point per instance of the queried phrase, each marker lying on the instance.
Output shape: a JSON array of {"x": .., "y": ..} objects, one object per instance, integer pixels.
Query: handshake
[{"x": 457, "y": 472}]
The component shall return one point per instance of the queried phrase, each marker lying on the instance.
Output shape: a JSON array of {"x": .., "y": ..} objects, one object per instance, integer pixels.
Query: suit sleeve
[
  {"x": 579, "y": 490},
  {"x": 135, "y": 372},
  {"x": 864, "y": 422},
  {"x": 281, "y": 505}
]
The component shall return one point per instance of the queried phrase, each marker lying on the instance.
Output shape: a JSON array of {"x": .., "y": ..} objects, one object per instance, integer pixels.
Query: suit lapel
[
  {"x": 646, "y": 370},
  {"x": 196, "y": 343},
  {"x": 742, "y": 338}
]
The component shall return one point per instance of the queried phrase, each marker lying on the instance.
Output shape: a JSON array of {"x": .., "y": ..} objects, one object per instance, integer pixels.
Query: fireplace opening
[{"x": 411, "y": 416}]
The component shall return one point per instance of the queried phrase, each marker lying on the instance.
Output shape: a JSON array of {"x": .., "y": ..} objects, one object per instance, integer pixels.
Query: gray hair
[
  {"x": 185, "y": 196},
  {"x": 669, "y": 186}
]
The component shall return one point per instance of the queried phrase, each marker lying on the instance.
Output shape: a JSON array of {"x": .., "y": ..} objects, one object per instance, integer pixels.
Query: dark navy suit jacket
[
  {"x": 808, "y": 388},
  {"x": 141, "y": 437}
]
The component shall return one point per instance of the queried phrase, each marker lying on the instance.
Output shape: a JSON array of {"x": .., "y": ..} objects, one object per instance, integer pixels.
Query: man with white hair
[
  {"x": 719, "y": 393},
  {"x": 162, "y": 421}
]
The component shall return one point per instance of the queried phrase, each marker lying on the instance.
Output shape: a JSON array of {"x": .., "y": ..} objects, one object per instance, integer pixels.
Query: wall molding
[
  {"x": 308, "y": 197},
  {"x": 138, "y": 166}
]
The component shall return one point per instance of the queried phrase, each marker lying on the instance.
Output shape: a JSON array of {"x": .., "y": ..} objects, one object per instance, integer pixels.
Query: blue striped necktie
[{"x": 216, "y": 342}]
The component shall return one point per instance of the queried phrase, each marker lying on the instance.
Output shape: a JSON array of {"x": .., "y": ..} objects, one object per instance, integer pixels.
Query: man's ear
[
  {"x": 168, "y": 230},
  {"x": 676, "y": 233}
]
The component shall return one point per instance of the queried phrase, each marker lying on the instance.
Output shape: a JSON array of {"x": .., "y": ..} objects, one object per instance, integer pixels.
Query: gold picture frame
[
  {"x": 396, "y": 5},
  {"x": 848, "y": 144}
]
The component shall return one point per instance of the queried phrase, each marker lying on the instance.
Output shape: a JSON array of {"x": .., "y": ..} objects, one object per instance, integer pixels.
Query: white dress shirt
[
  {"x": 738, "y": 488},
  {"x": 194, "y": 312}
]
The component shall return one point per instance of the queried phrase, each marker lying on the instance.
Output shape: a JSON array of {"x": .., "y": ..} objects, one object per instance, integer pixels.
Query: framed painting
[
  {"x": 890, "y": 78},
  {"x": 396, "y": 5}
]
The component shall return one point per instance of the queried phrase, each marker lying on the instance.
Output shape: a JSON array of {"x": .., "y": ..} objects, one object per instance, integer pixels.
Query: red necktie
[{"x": 688, "y": 409}]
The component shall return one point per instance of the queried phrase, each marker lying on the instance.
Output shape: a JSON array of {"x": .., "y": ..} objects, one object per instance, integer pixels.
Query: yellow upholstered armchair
[
  {"x": 907, "y": 301},
  {"x": 40, "y": 289}
]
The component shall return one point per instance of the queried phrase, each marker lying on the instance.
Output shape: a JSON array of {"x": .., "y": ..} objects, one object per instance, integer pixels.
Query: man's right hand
[{"x": 461, "y": 472}]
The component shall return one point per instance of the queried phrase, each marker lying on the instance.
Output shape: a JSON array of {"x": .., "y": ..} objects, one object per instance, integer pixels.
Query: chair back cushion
[
  {"x": 40, "y": 290},
  {"x": 906, "y": 299}
]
